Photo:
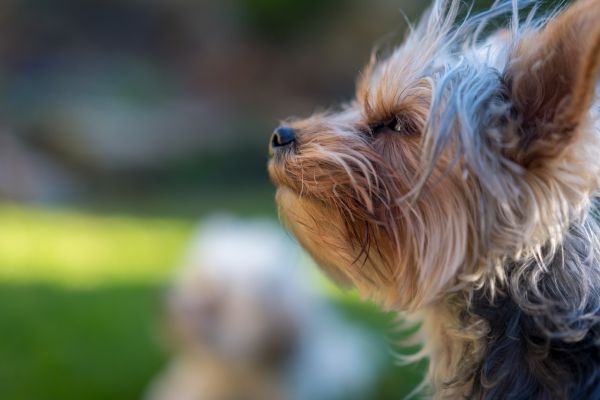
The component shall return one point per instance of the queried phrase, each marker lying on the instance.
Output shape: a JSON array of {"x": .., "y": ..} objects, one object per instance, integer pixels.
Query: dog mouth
[
  {"x": 283, "y": 152},
  {"x": 277, "y": 167}
]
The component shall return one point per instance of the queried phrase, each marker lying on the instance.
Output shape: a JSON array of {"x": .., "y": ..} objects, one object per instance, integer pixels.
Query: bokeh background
[{"x": 124, "y": 123}]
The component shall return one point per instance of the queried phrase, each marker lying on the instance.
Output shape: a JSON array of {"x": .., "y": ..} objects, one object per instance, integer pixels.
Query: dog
[
  {"x": 245, "y": 324},
  {"x": 460, "y": 188}
]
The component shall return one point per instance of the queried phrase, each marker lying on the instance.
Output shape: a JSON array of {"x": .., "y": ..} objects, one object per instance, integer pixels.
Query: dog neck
[{"x": 535, "y": 338}]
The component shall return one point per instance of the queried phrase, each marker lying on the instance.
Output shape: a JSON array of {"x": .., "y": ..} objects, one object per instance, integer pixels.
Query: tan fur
[{"x": 420, "y": 224}]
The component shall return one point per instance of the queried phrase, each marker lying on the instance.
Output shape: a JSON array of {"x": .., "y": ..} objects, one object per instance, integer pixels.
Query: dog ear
[{"x": 552, "y": 80}]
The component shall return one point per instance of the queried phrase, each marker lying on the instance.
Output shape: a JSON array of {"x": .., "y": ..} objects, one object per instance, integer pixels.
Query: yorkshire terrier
[
  {"x": 459, "y": 187},
  {"x": 243, "y": 324}
]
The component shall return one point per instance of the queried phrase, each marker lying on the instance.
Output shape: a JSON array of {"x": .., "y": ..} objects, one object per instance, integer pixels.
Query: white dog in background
[{"x": 246, "y": 326}]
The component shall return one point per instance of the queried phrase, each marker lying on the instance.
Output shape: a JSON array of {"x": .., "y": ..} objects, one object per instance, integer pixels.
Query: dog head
[{"x": 456, "y": 155}]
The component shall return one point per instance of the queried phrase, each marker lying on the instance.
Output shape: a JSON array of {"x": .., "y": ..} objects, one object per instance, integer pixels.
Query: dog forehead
[
  {"x": 417, "y": 59},
  {"x": 390, "y": 75}
]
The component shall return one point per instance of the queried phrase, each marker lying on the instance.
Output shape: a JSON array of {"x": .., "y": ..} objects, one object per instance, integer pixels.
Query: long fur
[{"x": 476, "y": 217}]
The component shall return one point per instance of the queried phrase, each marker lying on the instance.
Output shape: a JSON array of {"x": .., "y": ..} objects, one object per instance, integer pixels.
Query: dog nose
[{"x": 283, "y": 136}]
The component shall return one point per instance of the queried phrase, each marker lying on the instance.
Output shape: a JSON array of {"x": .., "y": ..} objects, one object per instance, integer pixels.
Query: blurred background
[{"x": 124, "y": 123}]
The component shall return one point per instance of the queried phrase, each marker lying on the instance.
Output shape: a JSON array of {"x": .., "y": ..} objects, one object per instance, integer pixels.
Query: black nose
[{"x": 282, "y": 136}]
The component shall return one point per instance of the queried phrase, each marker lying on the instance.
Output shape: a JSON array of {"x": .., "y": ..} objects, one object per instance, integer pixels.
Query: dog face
[{"x": 455, "y": 157}]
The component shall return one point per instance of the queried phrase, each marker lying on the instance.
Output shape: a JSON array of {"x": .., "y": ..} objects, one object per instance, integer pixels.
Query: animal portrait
[{"x": 459, "y": 188}]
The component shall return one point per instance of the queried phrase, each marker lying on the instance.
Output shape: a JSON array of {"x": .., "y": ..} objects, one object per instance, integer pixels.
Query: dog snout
[{"x": 282, "y": 137}]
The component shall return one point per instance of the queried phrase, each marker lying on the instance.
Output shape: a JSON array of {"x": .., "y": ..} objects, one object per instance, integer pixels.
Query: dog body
[{"x": 459, "y": 188}]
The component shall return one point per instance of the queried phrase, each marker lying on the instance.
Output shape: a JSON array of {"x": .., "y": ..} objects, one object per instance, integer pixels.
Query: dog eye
[{"x": 399, "y": 124}]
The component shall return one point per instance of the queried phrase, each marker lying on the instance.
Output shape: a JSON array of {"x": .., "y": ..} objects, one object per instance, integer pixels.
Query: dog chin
[{"x": 305, "y": 220}]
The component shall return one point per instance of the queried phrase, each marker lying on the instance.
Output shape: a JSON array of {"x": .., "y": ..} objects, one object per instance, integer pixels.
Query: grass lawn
[{"x": 80, "y": 297}]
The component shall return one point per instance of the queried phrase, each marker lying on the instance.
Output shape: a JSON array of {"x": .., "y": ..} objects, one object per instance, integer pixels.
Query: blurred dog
[
  {"x": 246, "y": 327},
  {"x": 459, "y": 187}
]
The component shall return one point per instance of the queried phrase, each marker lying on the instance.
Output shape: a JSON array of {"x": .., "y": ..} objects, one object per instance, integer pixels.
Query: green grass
[
  {"x": 58, "y": 343},
  {"x": 80, "y": 296},
  {"x": 78, "y": 249}
]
